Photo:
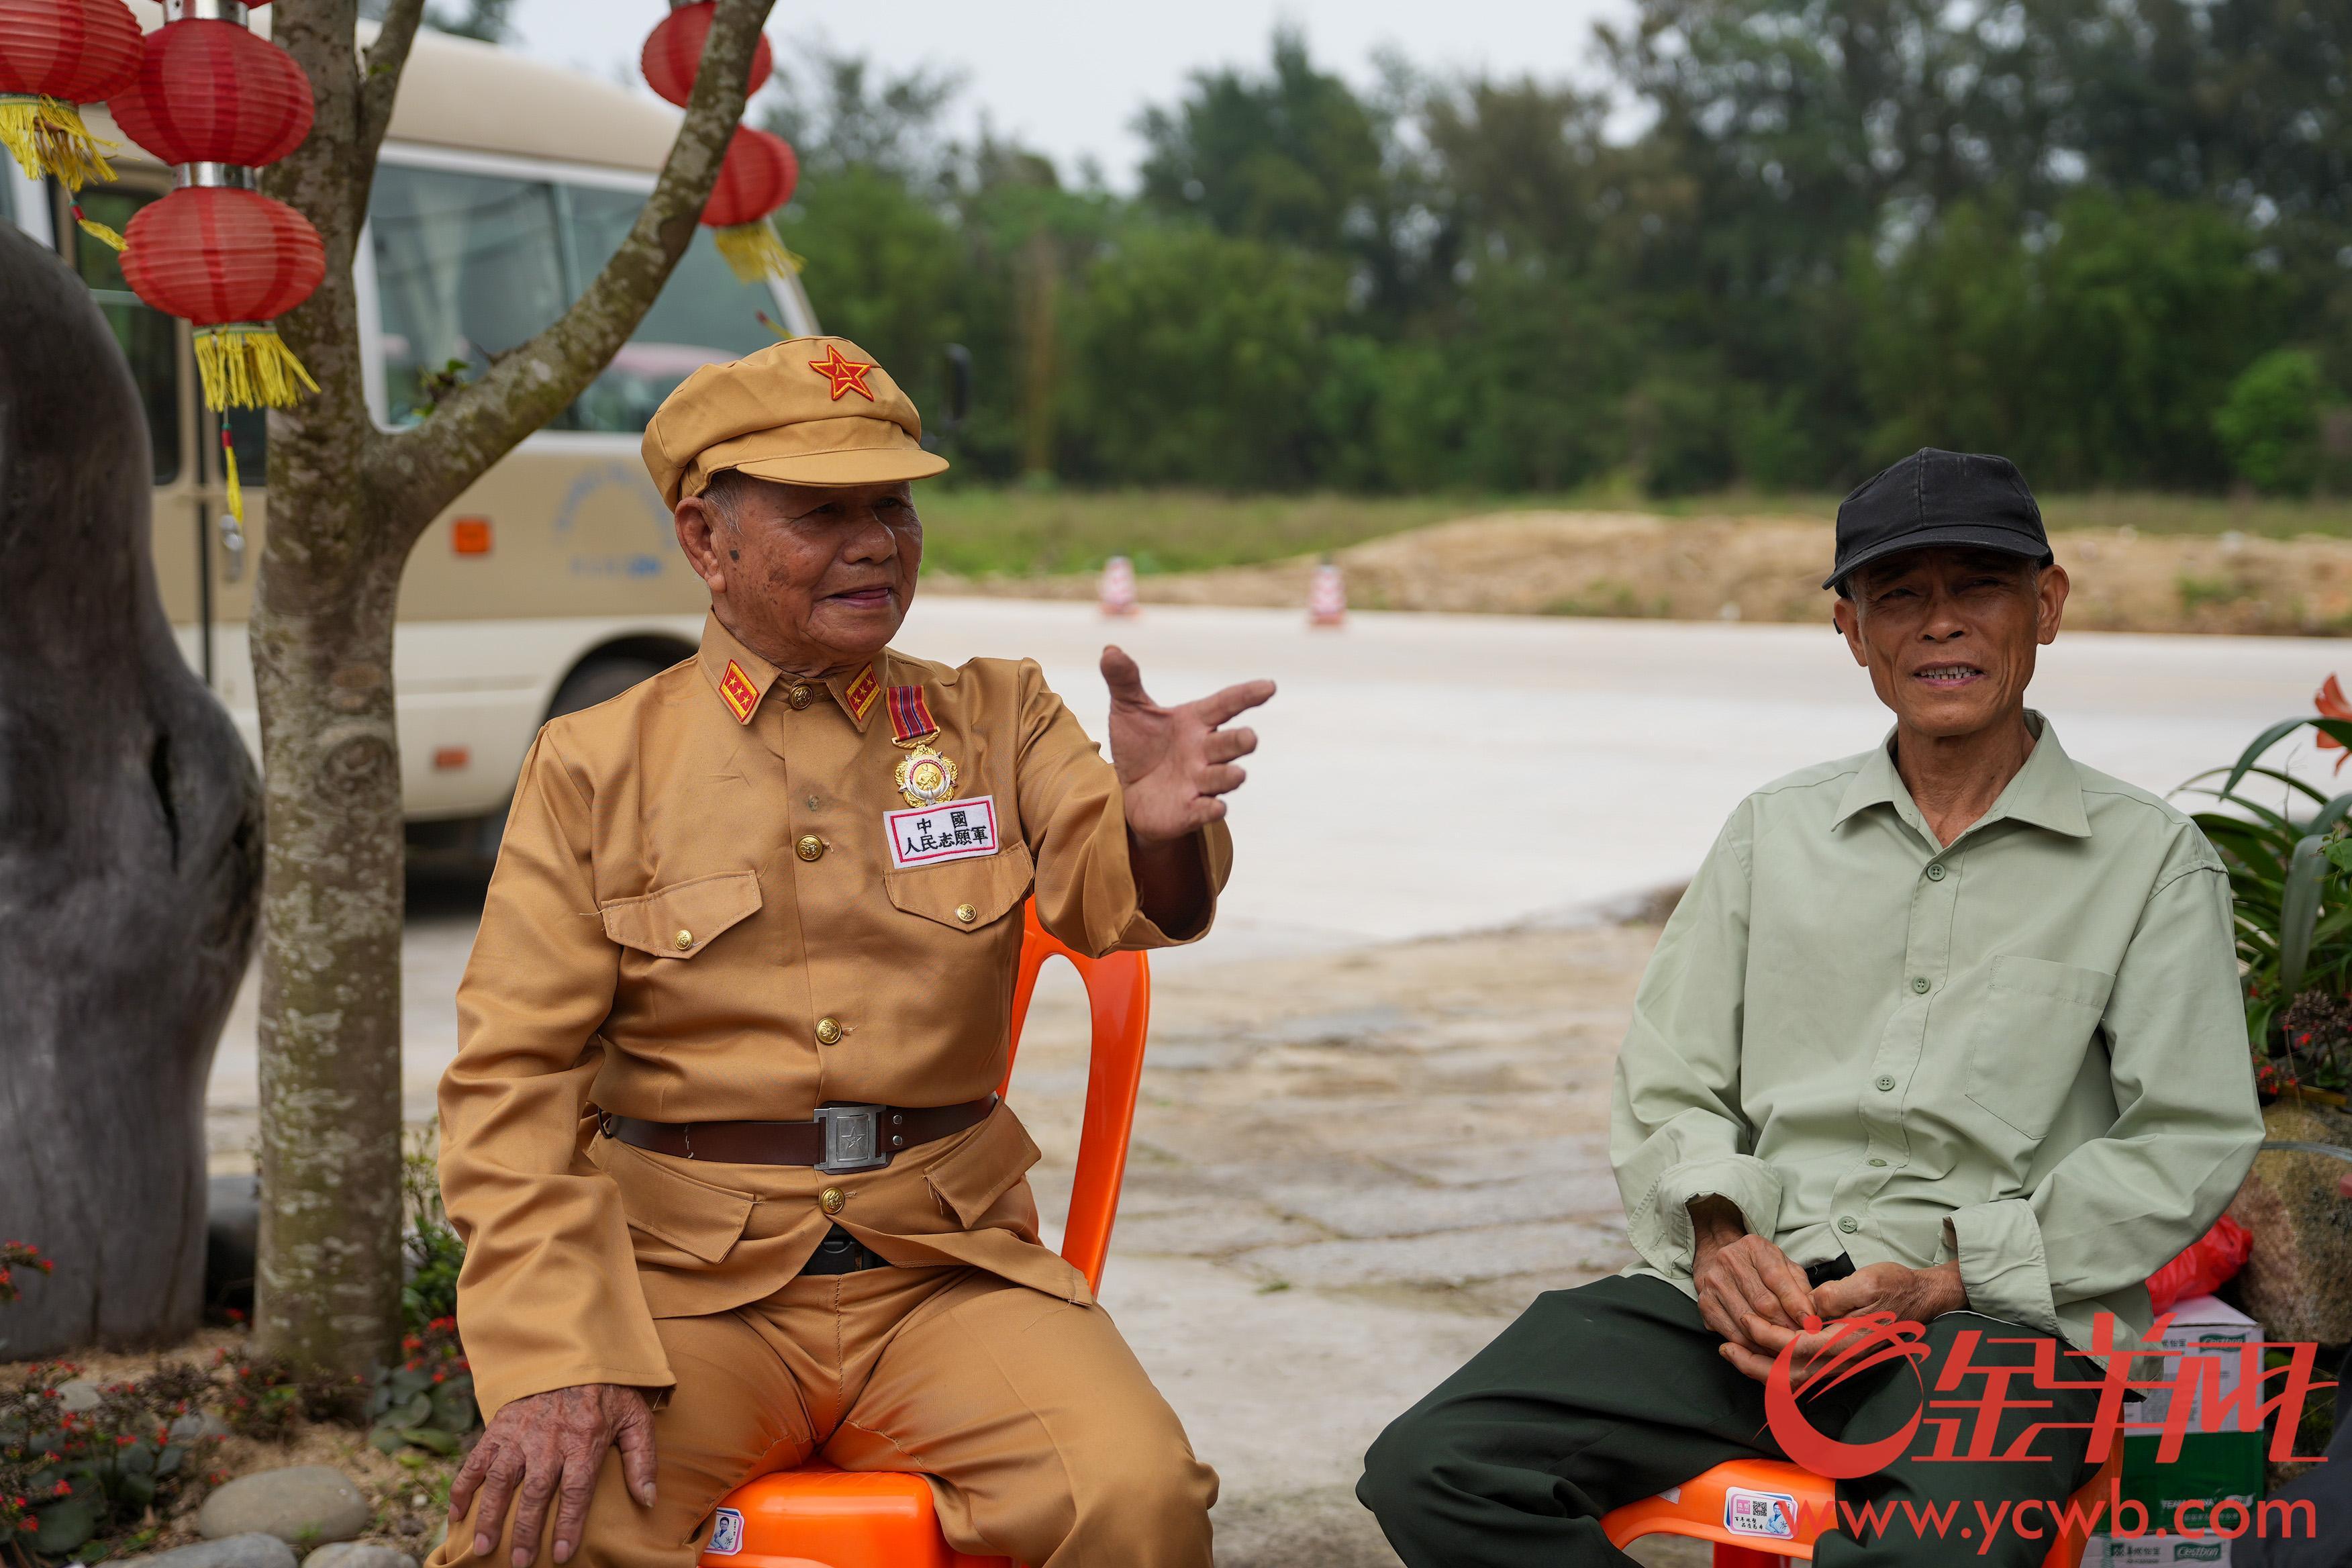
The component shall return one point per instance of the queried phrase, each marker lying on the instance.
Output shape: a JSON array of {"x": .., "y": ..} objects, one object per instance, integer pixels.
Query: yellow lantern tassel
[
  {"x": 247, "y": 365},
  {"x": 228, "y": 467},
  {"x": 47, "y": 137},
  {"x": 753, "y": 252},
  {"x": 97, "y": 230}
]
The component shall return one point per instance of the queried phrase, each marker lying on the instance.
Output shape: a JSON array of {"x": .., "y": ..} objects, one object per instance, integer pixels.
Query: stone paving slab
[
  {"x": 1447, "y": 1258},
  {"x": 1399, "y": 1209}
]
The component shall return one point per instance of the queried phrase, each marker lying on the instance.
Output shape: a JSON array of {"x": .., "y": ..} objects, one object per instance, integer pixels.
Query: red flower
[
  {"x": 2332, "y": 704},
  {"x": 412, "y": 1344},
  {"x": 63, "y": 1488}
]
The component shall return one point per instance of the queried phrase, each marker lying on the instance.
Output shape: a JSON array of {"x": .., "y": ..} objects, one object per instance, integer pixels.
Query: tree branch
[
  {"x": 380, "y": 71},
  {"x": 431, "y": 462}
]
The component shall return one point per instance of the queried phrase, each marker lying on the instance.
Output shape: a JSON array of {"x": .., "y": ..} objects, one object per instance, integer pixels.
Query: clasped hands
[{"x": 1751, "y": 1294}]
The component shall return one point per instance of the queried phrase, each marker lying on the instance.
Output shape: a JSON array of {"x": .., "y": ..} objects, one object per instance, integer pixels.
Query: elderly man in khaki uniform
[{"x": 721, "y": 1134}]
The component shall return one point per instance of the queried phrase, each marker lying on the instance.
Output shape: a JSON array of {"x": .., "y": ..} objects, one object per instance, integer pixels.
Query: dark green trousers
[{"x": 1613, "y": 1392}]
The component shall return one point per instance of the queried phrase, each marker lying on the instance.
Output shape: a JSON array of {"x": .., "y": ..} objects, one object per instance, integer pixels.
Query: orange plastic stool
[
  {"x": 1767, "y": 1497},
  {"x": 819, "y": 1517}
]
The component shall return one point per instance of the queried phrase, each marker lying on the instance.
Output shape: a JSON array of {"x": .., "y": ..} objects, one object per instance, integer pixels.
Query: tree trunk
[
  {"x": 347, "y": 502},
  {"x": 129, "y": 849}
]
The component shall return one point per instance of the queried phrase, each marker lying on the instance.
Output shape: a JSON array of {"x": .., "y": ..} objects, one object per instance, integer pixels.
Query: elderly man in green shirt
[{"x": 1949, "y": 1030}]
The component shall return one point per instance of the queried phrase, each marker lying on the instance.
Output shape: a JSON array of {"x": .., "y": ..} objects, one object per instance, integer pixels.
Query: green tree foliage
[
  {"x": 2091, "y": 349},
  {"x": 2270, "y": 424},
  {"x": 1187, "y": 344},
  {"x": 2061, "y": 229}
]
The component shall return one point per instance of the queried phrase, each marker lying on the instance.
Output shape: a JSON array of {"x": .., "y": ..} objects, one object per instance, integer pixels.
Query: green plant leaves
[
  {"x": 2334, "y": 729},
  {"x": 65, "y": 1525},
  {"x": 2299, "y": 911}
]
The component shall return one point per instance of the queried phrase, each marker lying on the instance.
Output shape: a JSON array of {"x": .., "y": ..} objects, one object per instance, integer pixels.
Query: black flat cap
[{"x": 1935, "y": 497}]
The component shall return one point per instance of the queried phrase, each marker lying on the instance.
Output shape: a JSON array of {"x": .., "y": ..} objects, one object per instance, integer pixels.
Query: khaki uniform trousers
[{"x": 1043, "y": 1438}]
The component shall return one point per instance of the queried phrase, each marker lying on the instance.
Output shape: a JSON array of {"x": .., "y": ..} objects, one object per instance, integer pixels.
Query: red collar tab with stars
[
  {"x": 911, "y": 716},
  {"x": 845, "y": 373},
  {"x": 735, "y": 688},
  {"x": 861, "y": 693}
]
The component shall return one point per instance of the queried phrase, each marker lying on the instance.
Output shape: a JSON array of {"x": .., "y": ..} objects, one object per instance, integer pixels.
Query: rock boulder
[{"x": 2298, "y": 1282}]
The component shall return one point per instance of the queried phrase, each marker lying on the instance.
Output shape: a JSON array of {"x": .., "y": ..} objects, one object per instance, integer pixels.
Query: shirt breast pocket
[
  {"x": 2027, "y": 1040},
  {"x": 965, "y": 894},
  {"x": 679, "y": 921}
]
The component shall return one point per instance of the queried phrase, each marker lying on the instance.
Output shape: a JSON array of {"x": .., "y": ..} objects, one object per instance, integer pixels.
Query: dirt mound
[{"x": 1758, "y": 569}]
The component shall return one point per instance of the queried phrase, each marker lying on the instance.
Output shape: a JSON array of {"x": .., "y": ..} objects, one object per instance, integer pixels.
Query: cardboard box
[
  {"x": 2217, "y": 1459},
  {"x": 2154, "y": 1551}
]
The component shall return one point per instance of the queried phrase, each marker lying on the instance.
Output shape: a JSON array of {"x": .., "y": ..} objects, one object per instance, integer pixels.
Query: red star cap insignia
[{"x": 845, "y": 373}]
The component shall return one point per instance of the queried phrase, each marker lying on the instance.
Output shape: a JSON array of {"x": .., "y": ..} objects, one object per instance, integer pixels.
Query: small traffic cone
[
  {"x": 1118, "y": 586},
  {"x": 1327, "y": 598}
]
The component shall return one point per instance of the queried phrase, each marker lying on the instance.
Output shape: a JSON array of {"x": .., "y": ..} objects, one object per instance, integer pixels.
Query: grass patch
[
  {"x": 1015, "y": 532},
  {"x": 1019, "y": 532},
  {"x": 1611, "y": 600}
]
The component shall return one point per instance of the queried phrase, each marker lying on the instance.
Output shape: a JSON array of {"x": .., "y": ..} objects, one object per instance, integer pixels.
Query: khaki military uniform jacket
[{"x": 697, "y": 916}]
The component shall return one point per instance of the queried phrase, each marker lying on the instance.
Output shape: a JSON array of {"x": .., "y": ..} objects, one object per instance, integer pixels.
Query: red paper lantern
[
  {"x": 55, "y": 54},
  {"x": 230, "y": 261},
  {"x": 756, "y": 178},
  {"x": 674, "y": 53},
  {"x": 210, "y": 92}
]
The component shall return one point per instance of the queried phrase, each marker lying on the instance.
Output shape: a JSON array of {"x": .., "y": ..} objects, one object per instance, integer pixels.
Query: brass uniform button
[
  {"x": 966, "y": 914},
  {"x": 832, "y": 1199},
  {"x": 801, "y": 696},
  {"x": 810, "y": 848},
  {"x": 828, "y": 1031},
  {"x": 685, "y": 939}
]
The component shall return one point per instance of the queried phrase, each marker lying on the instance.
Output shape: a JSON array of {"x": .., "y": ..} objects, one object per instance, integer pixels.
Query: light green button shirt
[{"x": 2024, "y": 1049}]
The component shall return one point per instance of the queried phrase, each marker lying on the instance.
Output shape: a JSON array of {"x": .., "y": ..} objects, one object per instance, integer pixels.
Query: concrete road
[{"x": 1424, "y": 775}]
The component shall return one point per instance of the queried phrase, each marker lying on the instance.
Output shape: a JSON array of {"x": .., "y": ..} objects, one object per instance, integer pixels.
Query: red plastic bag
[{"x": 2212, "y": 1260}]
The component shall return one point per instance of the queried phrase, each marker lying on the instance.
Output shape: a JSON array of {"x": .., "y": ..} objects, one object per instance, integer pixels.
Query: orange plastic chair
[
  {"x": 819, "y": 1517},
  {"x": 1768, "y": 1498}
]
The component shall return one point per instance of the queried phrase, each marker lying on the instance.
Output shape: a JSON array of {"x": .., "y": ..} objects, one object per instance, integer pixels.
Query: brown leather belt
[{"x": 841, "y": 1138}]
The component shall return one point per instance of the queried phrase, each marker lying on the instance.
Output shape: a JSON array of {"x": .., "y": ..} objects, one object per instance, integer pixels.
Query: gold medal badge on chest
[{"x": 924, "y": 777}]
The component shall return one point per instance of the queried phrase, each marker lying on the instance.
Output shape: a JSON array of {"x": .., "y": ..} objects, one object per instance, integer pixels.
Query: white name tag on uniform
[{"x": 952, "y": 830}]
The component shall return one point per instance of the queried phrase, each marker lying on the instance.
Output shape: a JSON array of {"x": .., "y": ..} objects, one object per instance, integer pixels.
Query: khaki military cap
[{"x": 807, "y": 411}]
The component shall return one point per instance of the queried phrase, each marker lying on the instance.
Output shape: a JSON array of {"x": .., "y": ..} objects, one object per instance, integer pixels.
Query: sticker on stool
[
  {"x": 1747, "y": 1513},
  {"x": 726, "y": 1534}
]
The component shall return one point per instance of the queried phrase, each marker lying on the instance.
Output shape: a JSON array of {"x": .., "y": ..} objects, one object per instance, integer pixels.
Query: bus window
[
  {"x": 704, "y": 316},
  {"x": 467, "y": 266},
  {"x": 150, "y": 338}
]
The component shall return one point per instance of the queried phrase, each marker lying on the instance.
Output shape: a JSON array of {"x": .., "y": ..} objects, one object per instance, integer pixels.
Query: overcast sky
[{"x": 1068, "y": 76}]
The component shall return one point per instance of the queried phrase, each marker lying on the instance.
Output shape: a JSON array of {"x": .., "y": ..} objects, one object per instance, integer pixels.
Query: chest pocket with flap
[
  {"x": 681, "y": 920},
  {"x": 2028, "y": 1038},
  {"x": 965, "y": 894}
]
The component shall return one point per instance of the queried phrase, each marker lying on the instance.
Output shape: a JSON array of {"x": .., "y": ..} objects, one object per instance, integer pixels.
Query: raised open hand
[{"x": 1173, "y": 762}]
